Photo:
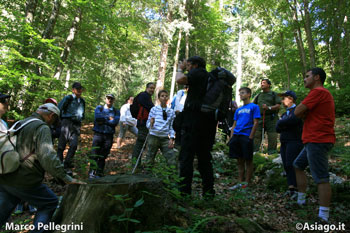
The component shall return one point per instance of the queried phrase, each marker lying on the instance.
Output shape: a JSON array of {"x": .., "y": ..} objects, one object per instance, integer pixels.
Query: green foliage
[
  {"x": 341, "y": 100},
  {"x": 125, "y": 218}
]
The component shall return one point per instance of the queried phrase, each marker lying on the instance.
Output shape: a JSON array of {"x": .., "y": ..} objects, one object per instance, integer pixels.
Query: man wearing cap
[
  {"x": 72, "y": 109},
  {"x": 290, "y": 128},
  {"x": 4, "y": 102},
  {"x": 106, "y": 119},
  {"x": 269, "y": 104},
  {"x": 39, "y": 157},
  {"x": 318, "y": 137}
]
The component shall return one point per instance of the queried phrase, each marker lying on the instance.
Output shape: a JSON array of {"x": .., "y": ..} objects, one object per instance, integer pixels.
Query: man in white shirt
[{"x": 127, "y": 122}]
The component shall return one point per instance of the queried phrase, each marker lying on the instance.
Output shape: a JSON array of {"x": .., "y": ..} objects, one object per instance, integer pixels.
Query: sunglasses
[{"x": 165, "y": 116}]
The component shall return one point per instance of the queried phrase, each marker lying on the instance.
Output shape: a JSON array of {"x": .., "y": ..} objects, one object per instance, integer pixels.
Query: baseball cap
[
  {"x": 77, "y": 85},
  {"x": 3, "y": 96},
  {"x": 50, "y": 107},
  {"x": 289, "y": 93},
  {"x": 110, "y": 95},
  {"x": 51, "y": 100}
]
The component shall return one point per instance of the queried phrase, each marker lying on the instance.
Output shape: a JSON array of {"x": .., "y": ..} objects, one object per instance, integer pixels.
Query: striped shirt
[{"x": 161, "y": 127}]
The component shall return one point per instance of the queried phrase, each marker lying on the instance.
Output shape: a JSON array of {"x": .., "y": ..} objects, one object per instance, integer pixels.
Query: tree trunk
[
  {"x": 116, "y": 203},
  {"x": 50, "y": 25},
  {"x": 176, "y": 61},
  {"x": 347, "y": 36},
  {"x": 30, "y": 10},
  {"x": 68, "y": 45},
  {"x": 307, "y": 25},
  {"x": 298, "y": 37},
  {"x": 339, "y": 16},
  {"x": 285, "y": 60},
  {"x": 163, "y": 59},
  {"x": 239, "y": 64}
]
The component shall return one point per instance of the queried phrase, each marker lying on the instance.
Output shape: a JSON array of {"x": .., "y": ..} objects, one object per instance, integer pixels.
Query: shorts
[
  {"x": 316, "y": 156},
  {"x": 241, "y": 146}
]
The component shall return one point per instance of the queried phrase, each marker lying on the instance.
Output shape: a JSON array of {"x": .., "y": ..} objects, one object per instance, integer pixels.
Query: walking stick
[
  {"x": 263, "y": 133},
  {"x": 138, "y": 158}
]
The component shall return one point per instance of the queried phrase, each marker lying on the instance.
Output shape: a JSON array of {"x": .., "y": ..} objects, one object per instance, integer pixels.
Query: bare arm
[
  {"x": 300, "y": 111},
  {"x": 233, "y": 128},
  {"x": 255, "y": 126},
  {"x": 181, "y": 78}
]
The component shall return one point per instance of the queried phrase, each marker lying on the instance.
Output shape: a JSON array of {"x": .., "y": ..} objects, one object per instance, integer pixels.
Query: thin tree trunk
[
  {"x": 175, "y": 64},
  {"x": 310, "y": 41},
  {"x": 239, "y": 65},
  {"x": 162, "y": 68},
  {"x": 47, "y": 34},
  {"x": 68, "y": 45},
  {"x": 347, "y": 36},
  {"x": 339, "y": 23},
  {"x": 298, "y": 37},
  {"x": 163, "y": 60},
  {"x": 285, "y": 60},
  {"x": 30, "y": 10}
]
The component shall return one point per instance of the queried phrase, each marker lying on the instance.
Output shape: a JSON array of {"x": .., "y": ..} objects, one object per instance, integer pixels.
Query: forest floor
[{"x": 261, "y": 205}]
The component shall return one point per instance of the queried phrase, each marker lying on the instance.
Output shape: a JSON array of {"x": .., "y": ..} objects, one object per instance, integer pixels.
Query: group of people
[
  {"x": 306, "y": 136},
  {"x": 302, "y": 144}
]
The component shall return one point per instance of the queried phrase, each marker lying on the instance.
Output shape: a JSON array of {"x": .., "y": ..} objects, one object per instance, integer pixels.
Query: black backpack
[
  {"x": 135, "y": 107},
  {"x": 219, "y": 93}
]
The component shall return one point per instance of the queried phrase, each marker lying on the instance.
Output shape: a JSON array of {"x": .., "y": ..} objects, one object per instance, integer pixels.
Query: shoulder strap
[
  {"x": 67, "y": 103},
  {"x": 274, "y": 97},
  {"x": 255, "y": 101},
  {"x": 100, "y": 107},
  {"x": 18, "y": 126}
]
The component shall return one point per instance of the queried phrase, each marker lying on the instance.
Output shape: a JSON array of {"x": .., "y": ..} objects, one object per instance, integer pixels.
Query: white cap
[{"x": 50, "y": 107}]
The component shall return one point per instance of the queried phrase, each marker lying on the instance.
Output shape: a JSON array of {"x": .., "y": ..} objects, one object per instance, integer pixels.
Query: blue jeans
[
  {"x": 315, "y": 155},
  {"x": 41, "y": 197}
]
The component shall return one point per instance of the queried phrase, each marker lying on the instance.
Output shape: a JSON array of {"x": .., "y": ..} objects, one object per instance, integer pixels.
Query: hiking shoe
[{"x": 19, "y": 209}]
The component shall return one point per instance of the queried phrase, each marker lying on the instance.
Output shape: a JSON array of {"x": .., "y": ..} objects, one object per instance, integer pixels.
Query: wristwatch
[{"x": 269, "y": 107}]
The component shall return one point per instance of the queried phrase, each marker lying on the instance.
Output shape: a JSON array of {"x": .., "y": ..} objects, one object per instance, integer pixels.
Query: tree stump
[{"x": 135, "y": 202}]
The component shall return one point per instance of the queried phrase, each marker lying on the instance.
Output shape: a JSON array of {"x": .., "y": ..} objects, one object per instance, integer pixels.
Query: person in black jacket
[
  {"x": 290, "y": 128},
  {"x": 198, "y": 128},
  {"x": 145, "y": 101}
]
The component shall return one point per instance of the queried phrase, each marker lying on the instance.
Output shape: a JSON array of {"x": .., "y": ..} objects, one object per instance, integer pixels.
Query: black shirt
[{"x": 197, "y": 81}]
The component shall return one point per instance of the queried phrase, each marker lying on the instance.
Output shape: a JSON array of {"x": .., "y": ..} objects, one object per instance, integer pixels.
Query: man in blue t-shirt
[{"x": 246, "y": 121}]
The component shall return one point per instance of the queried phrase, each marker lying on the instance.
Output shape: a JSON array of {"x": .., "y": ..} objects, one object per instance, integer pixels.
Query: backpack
[
  {"x": 135, "y": 107},
  {"x": 219, "y": 93},
  {"x": 68, "y": 102},
  {"x": 10, "y": 159}
]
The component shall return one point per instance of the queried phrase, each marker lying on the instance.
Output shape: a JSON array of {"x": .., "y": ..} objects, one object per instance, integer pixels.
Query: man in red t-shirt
[{"x": 318, "y": 137}]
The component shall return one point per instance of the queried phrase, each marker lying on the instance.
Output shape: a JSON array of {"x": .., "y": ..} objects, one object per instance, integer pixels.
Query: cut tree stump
[{"x": 94, "y": 204}]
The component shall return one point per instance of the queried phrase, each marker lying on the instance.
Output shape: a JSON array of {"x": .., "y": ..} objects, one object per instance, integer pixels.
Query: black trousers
[
  {"x": 197, "y": 139},
  {"x": 70, "y": 132},
  {"x": 101, "y": 144},
  {"x": 289, "y": 152}
]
